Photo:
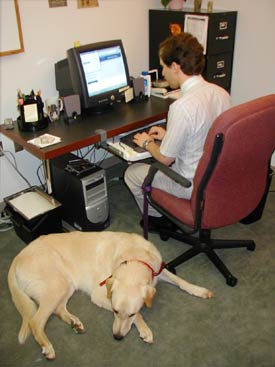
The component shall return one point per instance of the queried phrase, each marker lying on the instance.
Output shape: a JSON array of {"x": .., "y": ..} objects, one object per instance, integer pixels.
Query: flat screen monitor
[{"x": 98, "y": 73}]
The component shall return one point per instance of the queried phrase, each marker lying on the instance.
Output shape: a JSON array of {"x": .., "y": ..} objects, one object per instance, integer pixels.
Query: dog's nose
[{"x": 118, "y": 336}]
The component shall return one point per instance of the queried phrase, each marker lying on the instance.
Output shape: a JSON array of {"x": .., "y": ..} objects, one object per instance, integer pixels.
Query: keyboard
[
  {"x": 127, "y": 149},
  {"x": 128, "y": 139}
]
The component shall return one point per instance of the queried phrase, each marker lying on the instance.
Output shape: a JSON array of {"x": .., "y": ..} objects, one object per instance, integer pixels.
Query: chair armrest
[{"x": 157, "y": 166}]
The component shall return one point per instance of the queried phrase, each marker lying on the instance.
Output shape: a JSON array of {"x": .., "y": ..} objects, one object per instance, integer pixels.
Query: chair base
[{"x": 204, "y": 244}]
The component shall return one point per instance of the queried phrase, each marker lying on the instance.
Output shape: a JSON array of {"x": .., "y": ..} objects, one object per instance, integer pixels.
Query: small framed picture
[
  {"x": 57, "y": 3},
  {"x": 87, "y": 3}
]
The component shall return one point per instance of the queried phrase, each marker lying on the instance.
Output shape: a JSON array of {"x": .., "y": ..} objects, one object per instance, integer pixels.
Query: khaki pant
[{"x": 134, "y": 177}]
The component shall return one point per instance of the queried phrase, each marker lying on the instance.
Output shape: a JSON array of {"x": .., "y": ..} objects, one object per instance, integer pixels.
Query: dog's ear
[
  {"x": 109, "y": 286},
  {"x": 149, "y": 293}
]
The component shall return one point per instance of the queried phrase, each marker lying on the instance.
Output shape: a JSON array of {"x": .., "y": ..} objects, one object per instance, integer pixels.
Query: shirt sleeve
[{"x": 178, "y": 129}]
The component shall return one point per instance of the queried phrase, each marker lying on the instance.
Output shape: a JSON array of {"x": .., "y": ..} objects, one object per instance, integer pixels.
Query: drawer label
[
  {"x": 220, "y": 64},
  {"x": 223, "y": 26}
]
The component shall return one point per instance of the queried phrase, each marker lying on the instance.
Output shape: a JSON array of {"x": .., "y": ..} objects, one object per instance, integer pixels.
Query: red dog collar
[{"x": 154, "y": 274}]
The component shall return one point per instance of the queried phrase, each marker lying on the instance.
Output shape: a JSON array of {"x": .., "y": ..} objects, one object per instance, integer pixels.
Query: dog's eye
[
  {"x": 133, "y": 314},
  {"x": 115, "y": 311}
]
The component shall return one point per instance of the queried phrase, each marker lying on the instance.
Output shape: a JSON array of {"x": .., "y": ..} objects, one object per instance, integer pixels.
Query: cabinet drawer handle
[
  {"x": 222, "y": 38},
  {"x": 219, "y": 76}
]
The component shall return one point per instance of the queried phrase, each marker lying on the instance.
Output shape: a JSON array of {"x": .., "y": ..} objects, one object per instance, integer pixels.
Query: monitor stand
[{"x": 98, "y": 110}]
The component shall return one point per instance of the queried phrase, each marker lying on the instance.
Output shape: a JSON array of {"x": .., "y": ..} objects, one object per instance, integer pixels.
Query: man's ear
[
  {"x": 109, "y": 286},
  {"x": 149, "y": 293},
  {"x": 174, "y": 66}
]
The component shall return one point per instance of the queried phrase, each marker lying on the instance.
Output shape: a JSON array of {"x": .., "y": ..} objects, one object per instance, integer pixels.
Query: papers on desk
[
  {"x": 166, "y": 93},
  {"x": 45, "y": 140}
]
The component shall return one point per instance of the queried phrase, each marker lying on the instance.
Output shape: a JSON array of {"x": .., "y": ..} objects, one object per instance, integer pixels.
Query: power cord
[
  {"x": 43, "y": 185},
  {"x": 14, "y": 165},
  {"x": 91, "y": 152},
  {"x": 102, "y": 159},
  {"x": 5, "y": 221}
]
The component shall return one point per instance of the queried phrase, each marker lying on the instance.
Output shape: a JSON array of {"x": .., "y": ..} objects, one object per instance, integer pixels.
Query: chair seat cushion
[{"x": 180, "y": 208}]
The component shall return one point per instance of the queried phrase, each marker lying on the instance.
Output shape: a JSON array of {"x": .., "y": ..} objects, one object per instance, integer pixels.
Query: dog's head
[{"x": 128, "y": 294}]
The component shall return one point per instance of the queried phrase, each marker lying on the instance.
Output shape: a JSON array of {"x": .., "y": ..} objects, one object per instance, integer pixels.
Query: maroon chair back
[{"x": 239, "y": 178}]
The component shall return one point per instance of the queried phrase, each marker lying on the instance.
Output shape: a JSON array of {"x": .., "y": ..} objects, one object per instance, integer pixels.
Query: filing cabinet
[{"x": 219, "y": 45}]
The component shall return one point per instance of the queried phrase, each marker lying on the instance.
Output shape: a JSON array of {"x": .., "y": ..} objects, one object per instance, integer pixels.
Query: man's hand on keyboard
[
  {"x": 157, "y": 132},
  {"x": 140, "y": 138}
]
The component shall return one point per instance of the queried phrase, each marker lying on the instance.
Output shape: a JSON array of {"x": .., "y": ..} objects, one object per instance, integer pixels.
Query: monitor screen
[
  {"x": 98, "y": 72},
  {"x": 104, "y": 70}
]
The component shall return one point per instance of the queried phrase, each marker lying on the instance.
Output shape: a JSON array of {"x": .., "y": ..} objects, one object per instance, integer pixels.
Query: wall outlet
[{"x": 1, "y": 145}]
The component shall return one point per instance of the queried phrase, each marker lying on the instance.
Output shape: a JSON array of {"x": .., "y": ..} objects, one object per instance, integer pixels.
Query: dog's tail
[{"x": 24, "y": 304}]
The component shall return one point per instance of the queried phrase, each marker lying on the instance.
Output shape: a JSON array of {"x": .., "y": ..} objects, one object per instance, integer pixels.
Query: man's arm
[{"x": 146, "y": 141}]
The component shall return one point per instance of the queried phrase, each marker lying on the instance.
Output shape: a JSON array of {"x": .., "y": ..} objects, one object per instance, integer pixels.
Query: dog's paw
[
  {"x": 147, "y": 335},
  {"x": 48, "y": 351},
  {"x": 196, "y": 290},
  {"x": 202, "y": 292},
  {"x": 77, "y": 327},
  {"x": 207, "y": 294}
]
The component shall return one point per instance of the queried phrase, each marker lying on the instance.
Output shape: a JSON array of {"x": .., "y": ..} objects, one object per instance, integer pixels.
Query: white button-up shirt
[{"x": 189, "y": 120}]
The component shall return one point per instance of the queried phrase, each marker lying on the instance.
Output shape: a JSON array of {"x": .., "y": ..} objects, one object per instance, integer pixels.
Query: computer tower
[{"x": 81, "y": 188}]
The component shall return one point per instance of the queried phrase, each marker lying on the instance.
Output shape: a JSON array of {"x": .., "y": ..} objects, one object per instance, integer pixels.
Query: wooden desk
[{"x": 123, "y": 118}]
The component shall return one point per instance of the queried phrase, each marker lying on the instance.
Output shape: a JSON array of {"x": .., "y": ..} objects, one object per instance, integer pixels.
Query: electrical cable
[
  {"x": 89, "y": 151},
  {"x": 43, "y": 185},
  {"x": 5, "y": 222},
  {"x": 14, "y": 166},
  {"x": 13, "y": 157},
  {"x": 101, "y": 160}
]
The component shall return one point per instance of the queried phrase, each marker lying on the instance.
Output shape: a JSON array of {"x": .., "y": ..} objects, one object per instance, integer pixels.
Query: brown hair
[{"x": 185, "y": 50}]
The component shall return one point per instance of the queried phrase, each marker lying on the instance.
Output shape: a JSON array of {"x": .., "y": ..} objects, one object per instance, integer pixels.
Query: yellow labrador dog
[{"x": 118, "y": 270}]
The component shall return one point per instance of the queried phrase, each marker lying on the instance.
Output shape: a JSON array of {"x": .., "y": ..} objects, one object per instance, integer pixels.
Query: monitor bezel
[{"x": 78, "y": 79}]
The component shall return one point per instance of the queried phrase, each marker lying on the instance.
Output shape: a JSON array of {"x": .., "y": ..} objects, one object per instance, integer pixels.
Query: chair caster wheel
[
  {"x": 251, "y": 247},
  {"x": 164, "y": 237},
  {"x": 231, "y": 281}
]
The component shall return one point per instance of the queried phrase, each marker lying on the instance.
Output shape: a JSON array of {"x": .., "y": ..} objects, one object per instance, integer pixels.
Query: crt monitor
[{"x": 98, "y": 72}]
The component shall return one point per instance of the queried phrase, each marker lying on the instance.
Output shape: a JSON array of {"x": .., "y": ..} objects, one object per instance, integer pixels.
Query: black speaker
[
  {"x": 138, "y": 85},
  {"x": 139, "y": 90},
  {"x": 72, "y": 108}
]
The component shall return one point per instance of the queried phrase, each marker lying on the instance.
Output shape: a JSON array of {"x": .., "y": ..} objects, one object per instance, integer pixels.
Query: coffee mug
[{"x": 54, "y": 105}]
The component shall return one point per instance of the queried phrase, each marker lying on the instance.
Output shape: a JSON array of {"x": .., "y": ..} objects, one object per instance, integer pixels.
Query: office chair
[{"x": 229, "y": 183}]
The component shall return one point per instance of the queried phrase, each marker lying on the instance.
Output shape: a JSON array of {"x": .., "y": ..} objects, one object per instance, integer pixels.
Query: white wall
[
  {"x": 254, "y": 58},
  {"x": 49, "y": 32}
]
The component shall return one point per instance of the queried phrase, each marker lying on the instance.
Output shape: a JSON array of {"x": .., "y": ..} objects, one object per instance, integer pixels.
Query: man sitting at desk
[{"x": 189, "y": 119}]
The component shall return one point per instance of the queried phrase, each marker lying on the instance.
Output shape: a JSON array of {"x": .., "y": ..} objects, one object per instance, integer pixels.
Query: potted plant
[{"x": 173, "y": 4}]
